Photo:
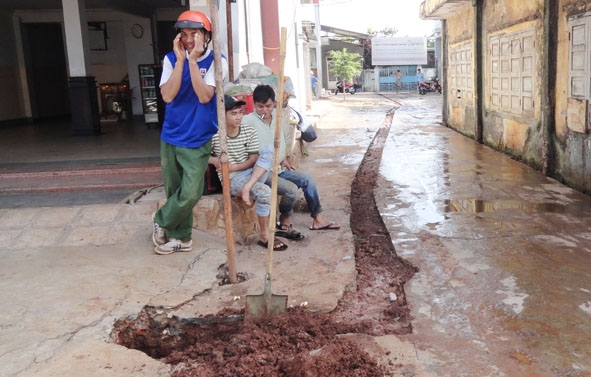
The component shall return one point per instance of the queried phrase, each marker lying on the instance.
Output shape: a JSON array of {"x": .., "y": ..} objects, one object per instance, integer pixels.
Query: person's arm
[
  {"x": 171, "y": 87},
  {"x": 214, "y": 158},
  {"x": 286, "y": 164},
  {"x": 204, "y": 86},
  {"x": 203, "y": 91},
  {"x": 252, "y": 148},
  {"x": 208, "y": 80},
  {"x": 249, "y": 163}
]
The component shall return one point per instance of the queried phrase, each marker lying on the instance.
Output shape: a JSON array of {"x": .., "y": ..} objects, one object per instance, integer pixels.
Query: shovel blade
[
  {"x": 262, "y": 306},
  {"x": 266, "y": 304}
]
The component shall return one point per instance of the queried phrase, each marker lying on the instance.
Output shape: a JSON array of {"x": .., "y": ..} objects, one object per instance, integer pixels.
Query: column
[
  {"x": 83, "y": 88},
  {"x": 271, "y": 35}
]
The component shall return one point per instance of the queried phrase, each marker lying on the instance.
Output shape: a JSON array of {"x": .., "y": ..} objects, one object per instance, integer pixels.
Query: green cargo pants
[{"x": 183, "y": 170}]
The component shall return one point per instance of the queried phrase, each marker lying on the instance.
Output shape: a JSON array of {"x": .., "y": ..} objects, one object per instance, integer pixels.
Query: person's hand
[
  {"x": 285, "y": 164},
  {"x": 179, "y": 48},
  {"x": 217, "y": 163},
  {"x": 245, "y": 195},
  {"x": 199, "y": 47}
]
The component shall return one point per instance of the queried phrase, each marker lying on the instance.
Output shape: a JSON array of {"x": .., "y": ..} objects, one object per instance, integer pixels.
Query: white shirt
[{"x": 209, "y": 77}]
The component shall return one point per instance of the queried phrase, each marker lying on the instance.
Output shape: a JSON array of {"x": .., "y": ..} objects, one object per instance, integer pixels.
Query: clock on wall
[{"x": 137, "y": 30}]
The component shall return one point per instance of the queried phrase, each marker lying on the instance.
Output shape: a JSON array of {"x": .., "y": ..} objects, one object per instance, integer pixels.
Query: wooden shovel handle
[{"x": 278, "y": 119}]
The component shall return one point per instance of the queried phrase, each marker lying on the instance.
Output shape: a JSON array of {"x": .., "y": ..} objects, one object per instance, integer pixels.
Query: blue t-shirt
[{"x": 187, "y": 122}]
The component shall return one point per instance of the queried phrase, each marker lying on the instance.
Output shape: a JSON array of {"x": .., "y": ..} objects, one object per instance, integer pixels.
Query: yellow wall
[
  {"x": 514, "y": 134},
  {"x": 505, "y": 13},
  {"x": 565, "y": 153},
  {"x": 460, "y": 25}
]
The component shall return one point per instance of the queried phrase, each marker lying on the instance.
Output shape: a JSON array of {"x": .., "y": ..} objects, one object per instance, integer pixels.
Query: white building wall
[
  {"x": 290, "y": 18},
  {"x": 249, "y": 46}
]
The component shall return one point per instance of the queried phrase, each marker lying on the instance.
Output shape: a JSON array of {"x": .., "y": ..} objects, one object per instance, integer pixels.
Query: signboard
[{"x": 398, "y": 51}]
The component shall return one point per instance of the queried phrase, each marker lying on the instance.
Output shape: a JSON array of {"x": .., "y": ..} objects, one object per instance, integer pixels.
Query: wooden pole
[
  {"x": 219, "y": 91},
  {"x": 276, "y": 144},
  {"x": 230, "y": 41}
]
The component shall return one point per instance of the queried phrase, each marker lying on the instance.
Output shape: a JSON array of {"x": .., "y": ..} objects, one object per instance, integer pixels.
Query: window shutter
[{"x": 578, "y": 60}]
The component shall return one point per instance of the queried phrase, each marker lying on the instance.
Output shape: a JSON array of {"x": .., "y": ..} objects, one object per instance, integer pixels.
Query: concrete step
[{"x": 91, "y": 177}]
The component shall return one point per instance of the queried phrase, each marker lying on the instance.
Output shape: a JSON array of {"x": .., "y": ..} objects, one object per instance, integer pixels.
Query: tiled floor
[
  {"x": 52, "y": 144},
  {"x": 43, "y": 164}
]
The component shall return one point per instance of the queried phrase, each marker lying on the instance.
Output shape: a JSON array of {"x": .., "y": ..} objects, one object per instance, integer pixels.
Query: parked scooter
[
  {"x": 349, "y": 87},
  {"x": 426, "y": 87}
]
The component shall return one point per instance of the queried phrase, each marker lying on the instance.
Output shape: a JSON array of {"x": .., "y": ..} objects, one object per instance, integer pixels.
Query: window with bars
[
  {"x": 461, "y": 73},
  {"x": 511, "y": 72}
]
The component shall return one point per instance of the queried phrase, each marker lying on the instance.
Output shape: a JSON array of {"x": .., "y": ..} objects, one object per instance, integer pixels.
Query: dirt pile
[{"x": 296, "y": 343}]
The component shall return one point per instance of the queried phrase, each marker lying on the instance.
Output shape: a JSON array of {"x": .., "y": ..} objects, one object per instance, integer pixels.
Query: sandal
[
  {"x": 278, "y": 245},
  {"x": 330, "y": 226},
  {"x": 287, "y": 231}
]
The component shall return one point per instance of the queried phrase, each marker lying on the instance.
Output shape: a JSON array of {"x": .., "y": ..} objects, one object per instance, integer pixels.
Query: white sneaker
[
  {"x": 158, "y": 234},
  {"x": 173, "y": 245}
]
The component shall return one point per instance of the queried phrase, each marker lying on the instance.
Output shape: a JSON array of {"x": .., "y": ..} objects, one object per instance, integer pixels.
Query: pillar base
[{"x": 84, "y": 104}]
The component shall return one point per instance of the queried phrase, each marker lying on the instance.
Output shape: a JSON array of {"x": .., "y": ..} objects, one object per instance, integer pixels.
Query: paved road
[{"x": 504, "y": 287}]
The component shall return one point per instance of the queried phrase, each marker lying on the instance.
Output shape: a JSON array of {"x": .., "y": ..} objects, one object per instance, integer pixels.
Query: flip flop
[
  {"x": 287, "y": 231},
  {"x": 278, "y": 245},
  {"x": 329, "y": 226}
]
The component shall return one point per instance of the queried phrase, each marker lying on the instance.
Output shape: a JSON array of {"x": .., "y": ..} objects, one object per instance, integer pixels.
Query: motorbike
[
  {"x": 426, "y": 87},
  {"x": 349, "y": 87}
]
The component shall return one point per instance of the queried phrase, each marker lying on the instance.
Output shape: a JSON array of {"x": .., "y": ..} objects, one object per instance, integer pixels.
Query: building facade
[
  {"x": 516, "y": 78},
  {"x": 55, "y": 56}
]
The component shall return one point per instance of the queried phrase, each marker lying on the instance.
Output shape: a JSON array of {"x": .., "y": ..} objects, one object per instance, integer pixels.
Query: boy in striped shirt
[{"x": 248, "y": 168}]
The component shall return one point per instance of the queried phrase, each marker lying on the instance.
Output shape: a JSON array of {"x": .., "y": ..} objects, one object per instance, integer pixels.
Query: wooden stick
[
  {"x": 276, "y": 144},
  {"x": 219, "y": 91}
]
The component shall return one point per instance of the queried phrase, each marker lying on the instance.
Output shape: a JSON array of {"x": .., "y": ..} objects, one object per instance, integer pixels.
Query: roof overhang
[
  {"x": 142, "y": 8},
  {"x": 441, "y": 9},
  {"x": 347, "y": 33}
]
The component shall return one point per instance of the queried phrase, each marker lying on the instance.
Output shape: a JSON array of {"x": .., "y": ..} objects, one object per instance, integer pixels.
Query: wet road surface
[{"x": 504, "y": 286}]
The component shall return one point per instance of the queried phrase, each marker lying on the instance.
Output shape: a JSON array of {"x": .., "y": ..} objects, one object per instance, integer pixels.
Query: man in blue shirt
[
  {"x": 420, "y": 77},
  {"x": 188, "y": 88},
  {"x": 314, "y": 83}
]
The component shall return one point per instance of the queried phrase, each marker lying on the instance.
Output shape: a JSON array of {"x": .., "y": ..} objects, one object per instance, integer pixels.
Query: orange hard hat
[{"x": 193, "y": 19}]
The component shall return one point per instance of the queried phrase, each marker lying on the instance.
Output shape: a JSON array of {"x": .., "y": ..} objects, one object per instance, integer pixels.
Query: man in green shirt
[{"x": 290, "y": 180}]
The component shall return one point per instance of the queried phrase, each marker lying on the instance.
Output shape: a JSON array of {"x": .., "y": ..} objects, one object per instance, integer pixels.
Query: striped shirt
[{"x": 240, "y": 147}]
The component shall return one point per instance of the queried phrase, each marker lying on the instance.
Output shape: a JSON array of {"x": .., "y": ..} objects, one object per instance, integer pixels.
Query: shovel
[{"x": 269, "y": 304}]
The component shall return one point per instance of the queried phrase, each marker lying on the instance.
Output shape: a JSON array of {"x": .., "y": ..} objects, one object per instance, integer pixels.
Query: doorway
[
  {"x": 166, "y": 33},
  {"x": 47, "y": 75}
]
